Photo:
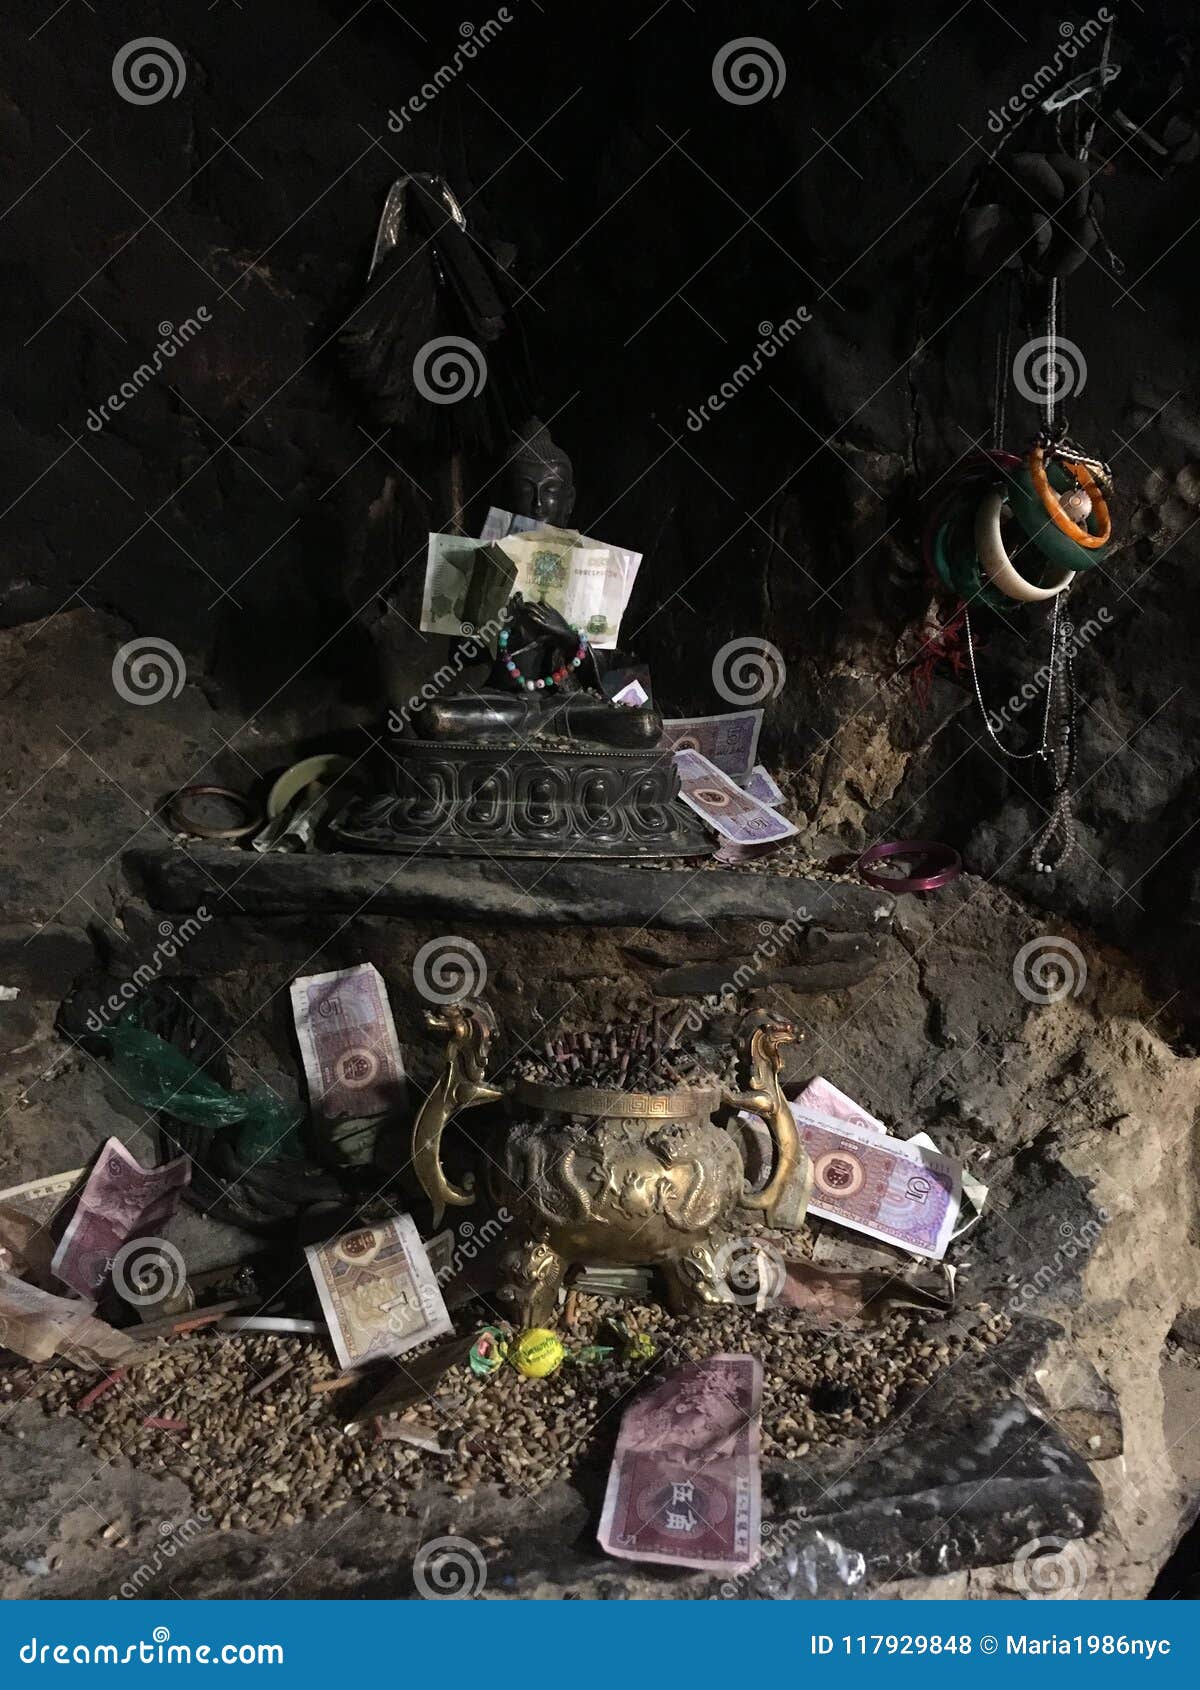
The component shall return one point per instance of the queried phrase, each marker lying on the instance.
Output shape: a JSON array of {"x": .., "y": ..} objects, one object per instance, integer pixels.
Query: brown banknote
[
  {"x": 26, "y": 1214},
  {"x": 378, "y": 1291},
  {"x": 867, "y": 1295},
  {"x": 121, "y": 1201},
  {"x": 684, "y": 1484}
]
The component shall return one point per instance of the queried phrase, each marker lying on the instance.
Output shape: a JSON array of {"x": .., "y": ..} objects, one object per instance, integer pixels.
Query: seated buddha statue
[
  {"x": 541, "y": 480},
  {"x": 544, "y": 682}
]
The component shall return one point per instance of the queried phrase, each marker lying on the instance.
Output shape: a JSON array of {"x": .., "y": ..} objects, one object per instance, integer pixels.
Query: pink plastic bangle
[{"x": 944, "y": 865}]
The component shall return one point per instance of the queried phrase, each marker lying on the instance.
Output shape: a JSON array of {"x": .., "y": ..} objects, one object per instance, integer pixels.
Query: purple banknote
[
  {"x": 724, "y": 806},
  {"x": 348, "y": 1043},
  {"x": 901, "y": 1193}
]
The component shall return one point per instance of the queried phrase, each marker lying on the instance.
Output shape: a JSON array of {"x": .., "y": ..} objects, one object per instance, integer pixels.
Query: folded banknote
[
  {"x": 904, "y": 1194},
  {"x": 717, "y": 800},
  {"x": 467, "y": 584},
  {"x": 121, "y": 1202},
  {"x": 760, "y": 784}
]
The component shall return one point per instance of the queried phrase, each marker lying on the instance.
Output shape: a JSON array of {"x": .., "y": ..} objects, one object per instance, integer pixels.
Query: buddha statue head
[{"x": 541, "y": 479}]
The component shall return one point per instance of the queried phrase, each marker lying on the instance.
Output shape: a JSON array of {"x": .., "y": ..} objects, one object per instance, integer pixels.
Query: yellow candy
[
  {"x": 641, "y": 1347},
  {"x": 537, "y": 1353}
]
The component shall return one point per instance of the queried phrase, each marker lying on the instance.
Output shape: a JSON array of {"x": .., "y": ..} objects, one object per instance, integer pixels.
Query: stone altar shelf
[
  {"x": 810, "y": 935},
  {"x": 606, "y": 894}
]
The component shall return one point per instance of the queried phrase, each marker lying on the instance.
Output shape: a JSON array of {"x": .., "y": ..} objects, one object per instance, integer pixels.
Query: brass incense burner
[{"x": 603, "y": 1175}]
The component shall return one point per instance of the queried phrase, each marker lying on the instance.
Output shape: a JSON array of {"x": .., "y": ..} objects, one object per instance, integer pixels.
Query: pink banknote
[
  {"x": 684, "y": 1483},
  {"x": 904, "y": 1194},
  {"x": 822, "y": 1097},
  {"x": 120, "y": 1202}
]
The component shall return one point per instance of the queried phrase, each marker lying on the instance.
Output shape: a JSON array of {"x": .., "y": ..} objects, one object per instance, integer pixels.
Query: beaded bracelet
[
  {"x": 1054, "y": 510},
  {"x": 556, "y": 676}
]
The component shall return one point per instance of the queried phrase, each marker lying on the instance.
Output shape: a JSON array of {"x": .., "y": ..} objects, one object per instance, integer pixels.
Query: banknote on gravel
[
  {"x": 904, "y": 1194},
  {"x": 378, "y": 1291},
  {"x": 684, "y": 1486}
]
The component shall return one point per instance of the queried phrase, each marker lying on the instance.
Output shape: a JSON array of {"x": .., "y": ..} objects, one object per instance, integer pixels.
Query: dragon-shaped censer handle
[
  {"x": 766, "y": 1100},
  {"x": 461, "y": 1085}
]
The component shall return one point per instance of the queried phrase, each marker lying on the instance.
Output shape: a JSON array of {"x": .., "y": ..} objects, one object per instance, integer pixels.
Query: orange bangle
[{"x": 1052, "y": 508}]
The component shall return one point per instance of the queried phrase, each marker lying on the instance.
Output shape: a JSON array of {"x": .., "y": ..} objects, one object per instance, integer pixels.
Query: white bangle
[{"x": 989, "y": 547}]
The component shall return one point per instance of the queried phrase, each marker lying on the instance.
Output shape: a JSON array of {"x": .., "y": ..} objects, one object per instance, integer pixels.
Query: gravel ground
[{"x": 270, "y": 1460}]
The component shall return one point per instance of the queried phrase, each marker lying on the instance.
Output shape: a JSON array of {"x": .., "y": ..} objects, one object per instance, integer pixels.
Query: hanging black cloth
[{"x": 428, "y": 344}]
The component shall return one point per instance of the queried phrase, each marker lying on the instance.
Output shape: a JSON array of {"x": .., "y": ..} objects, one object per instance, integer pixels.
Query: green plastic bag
[{"x": 159, "y": 1077}]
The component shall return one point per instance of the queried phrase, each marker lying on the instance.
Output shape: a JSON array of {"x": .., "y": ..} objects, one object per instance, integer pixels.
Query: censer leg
[
  {"x": 530, "y": 1276},
  {"x": 694, "y": 1283}
]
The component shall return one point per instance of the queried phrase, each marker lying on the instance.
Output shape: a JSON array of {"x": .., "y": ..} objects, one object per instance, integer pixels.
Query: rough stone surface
[
  {"x": 231, "y": 509},
  {"x": 583, "y": 894}
]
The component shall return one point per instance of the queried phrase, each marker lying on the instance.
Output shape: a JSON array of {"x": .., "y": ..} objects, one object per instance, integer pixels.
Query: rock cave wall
[{"x": 660, "y": 232}]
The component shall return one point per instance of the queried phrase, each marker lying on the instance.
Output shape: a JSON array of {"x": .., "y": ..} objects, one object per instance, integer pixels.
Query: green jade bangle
[
  {"x": 1054, "y": 545},
  {"x": 963, "y": 573}
]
